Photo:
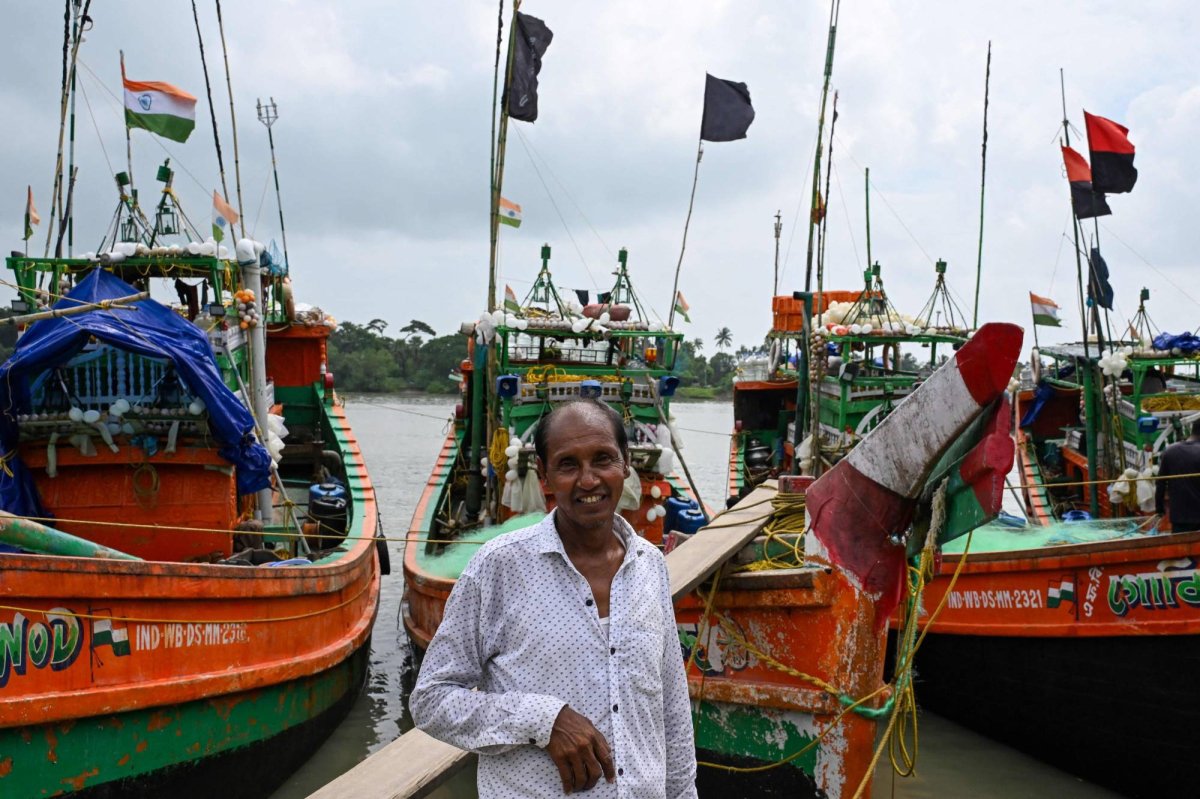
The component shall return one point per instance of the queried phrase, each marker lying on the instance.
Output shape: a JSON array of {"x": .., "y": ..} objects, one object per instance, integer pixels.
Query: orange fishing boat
[
  {"x": 160, "y": 630},
  {"x": 786, "y": 651},
  {"x": 190, "y": 568}
]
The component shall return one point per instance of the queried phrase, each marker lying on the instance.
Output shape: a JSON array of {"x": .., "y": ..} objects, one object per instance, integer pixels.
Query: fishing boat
[
  {"x": 786, "y": 649},
  {"x": 1042, "y": 623},
  {"x": 161, "y": 623},
  {"x": 187, "y": 527},
  {"x": 805, "y": 404},
  {"x": 1042, "y": 620},
  {"x": 520, "y": 363}
]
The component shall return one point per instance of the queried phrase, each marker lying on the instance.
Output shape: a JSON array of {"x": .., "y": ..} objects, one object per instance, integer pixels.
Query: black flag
[
  {"x": 532, "y": 39},
  {"x": 604, "y": 297},
  {"x": 727, "y": 110},
  {"x": 1100, "y": 291},
  {"x": 582, "y": 294}
]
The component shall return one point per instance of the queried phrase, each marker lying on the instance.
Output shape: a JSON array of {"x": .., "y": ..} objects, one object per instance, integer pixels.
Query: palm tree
[
  {"x": 724, "y": 338},
  {"x": 697, "y": 344}
]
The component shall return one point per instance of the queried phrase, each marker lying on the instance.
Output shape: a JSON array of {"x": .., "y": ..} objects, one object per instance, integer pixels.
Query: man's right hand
[{"x": 579, "y": 751}]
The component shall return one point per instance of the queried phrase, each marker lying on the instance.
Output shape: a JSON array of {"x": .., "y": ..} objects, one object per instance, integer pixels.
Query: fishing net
[{"x": 996, "y": 537}]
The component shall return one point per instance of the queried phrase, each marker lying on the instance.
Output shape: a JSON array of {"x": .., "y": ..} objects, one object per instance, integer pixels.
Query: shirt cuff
[{"x": 539, "y": 713}]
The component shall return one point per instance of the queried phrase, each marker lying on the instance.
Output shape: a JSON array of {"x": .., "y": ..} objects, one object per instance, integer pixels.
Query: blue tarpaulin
[{"x": 152, "y": 330}]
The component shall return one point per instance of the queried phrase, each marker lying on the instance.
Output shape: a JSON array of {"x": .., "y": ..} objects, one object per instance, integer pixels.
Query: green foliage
[{"x": 364, "y": 359}]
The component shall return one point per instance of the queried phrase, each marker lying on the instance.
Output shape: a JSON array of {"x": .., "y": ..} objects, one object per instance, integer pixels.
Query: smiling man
[{"x": 557, "y": 659}]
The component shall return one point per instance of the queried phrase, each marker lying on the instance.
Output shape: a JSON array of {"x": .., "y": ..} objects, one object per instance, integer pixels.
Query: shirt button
[
  {"x": 620, "y": 772},
  {"x": 533, "y": 741},
  {"x": 589, "y": 603},
  {"x": 614, "y": 708},
  {"x": 612, "y": 650},
  {"x": 640, "y": 553}
]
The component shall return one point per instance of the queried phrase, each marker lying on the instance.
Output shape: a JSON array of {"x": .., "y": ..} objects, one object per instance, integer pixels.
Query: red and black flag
[
  {"x": 727, "y": 110},
  {"x": 1086, "y": 201},
  {"x": 1113, "y": 171}
]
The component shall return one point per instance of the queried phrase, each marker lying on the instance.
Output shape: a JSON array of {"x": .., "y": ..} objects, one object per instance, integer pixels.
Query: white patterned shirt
[{"x": 521, "y": 637}]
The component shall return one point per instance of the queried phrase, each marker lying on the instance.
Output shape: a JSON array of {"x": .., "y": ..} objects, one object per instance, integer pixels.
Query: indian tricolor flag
[
  {"x": 510, "y": 213},
  {"x": 159, "y": 108},
  {"x": 105, "y": 634},
  {"x": 681, "y": 306},
  {"x": 510, "y": 301},
  {"x": 223, "y": 217},
  {"x": 1057, "y": 593},
  {"x": 1045, "y": 311}
]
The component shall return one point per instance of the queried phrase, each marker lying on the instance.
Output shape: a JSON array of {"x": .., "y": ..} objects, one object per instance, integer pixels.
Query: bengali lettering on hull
[{"x": 1158, "y": 595}]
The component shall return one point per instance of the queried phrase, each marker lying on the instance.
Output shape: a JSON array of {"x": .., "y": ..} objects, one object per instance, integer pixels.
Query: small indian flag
[
  {"x": 159, "y": 108},
  {"x": 681, "y": 306},
  {"x": 510, "y": 301},
  {"x": 223, "y": 217},
  {"x": 510, "y": 213},
  {"x": 31, "y": 215},
  {"x": 1064, "y": 591},
  {"x": 1045, "y": 311},
  {"x": 104, "y": 634}
]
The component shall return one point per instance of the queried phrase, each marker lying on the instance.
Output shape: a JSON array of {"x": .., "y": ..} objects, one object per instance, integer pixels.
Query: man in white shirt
[{"x": 557, "y": 659}]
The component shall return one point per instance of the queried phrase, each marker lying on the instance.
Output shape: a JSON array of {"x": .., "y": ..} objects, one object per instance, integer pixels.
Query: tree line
[{"x": 365, "y": 358}]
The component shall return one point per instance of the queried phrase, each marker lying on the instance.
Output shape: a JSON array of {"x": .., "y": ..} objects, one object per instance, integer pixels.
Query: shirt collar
[{"x": 548, "y": 539}]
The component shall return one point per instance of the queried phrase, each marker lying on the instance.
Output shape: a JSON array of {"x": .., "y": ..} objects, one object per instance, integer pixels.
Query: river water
[{"x": 401, "y": 437}]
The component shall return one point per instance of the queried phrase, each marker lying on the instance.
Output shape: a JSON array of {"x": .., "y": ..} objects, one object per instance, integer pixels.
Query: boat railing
[
  {"x": 563, "y": 390},
  {"x": 98, "y": 377}
]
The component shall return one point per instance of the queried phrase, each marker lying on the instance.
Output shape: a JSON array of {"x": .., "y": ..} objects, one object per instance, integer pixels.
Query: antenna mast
[{"x": 267, "y": 114}]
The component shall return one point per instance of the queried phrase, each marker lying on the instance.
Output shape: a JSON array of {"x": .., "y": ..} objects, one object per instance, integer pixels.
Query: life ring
[{"x": 288, "y": 298}]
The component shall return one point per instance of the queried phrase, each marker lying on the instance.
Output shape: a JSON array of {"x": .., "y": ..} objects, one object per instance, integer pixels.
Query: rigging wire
[
  {"x": 849, "y": 225},
  {"x": 876, "y": 192},
  {"x": 567, "y": 192},
  {"x": 557, "y": 210},
  {"x": 96, "y": 127}
]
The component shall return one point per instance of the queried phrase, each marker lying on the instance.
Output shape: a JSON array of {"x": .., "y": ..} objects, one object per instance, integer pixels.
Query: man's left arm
[{"x": 677, "y": 709}]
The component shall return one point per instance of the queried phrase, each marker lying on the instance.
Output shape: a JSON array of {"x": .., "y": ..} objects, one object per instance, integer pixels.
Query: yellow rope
[{"x": 141, "y": 620}]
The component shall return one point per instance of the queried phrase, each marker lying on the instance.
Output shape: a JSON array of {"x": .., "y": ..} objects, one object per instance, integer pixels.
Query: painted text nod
[{"x": 56, "y": 643}]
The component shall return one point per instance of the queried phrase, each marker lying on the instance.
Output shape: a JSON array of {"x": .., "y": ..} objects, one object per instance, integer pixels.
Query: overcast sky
[{"x": 384, "y": 128}]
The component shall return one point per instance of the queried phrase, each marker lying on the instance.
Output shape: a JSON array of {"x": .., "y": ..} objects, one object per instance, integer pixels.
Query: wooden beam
[
  {"x": 702, "y": 554},
  {"x": 415, "y": 763},
  {"x": 410, "y": 767}
]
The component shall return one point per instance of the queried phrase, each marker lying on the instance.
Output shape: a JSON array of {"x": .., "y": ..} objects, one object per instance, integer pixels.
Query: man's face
[{"x": 585, "y": 469}]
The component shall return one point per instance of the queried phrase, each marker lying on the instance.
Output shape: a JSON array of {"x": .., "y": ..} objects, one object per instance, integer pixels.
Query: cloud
[{"x": 383, "y": 146}]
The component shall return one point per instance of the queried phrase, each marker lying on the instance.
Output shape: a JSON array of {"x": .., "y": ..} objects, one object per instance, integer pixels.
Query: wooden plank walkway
[{"x": 415, "y": 763}]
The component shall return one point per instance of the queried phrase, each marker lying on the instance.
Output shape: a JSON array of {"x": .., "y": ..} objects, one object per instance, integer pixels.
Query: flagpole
[
  {"x": 834, "y": 10},
  {"x": 987, "y": 80},
  {"x": 1090, "y": 427},
  {"x": 867, "y": 196},
  {"x": 686, "y": 223},
  {"x": 128, "y": 138},
  {"x": 237, "y": 169},
  {"x": 58, "y": 164},
  {"x": 498, "y": 173},
  {"x": 778, "y": 230},
  {"x": 1074, "y": 222},
  {"x": 212, "y": 114},
  {"x": 1033, "y": 316},
  {"x": 822, "y": 226}
]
